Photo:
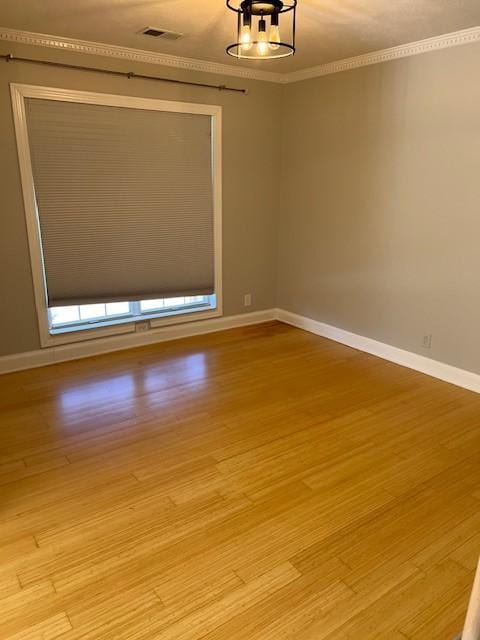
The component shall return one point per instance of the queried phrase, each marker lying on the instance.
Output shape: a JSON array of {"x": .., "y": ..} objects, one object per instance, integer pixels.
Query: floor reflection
[
  {"x": 86, "y": 396},
  {"x": 191, "y": 368},
  {"x": 111, "y": 393}
]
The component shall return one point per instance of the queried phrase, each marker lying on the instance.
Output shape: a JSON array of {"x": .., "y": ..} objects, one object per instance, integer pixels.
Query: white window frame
[{"x": 21, "y": 91}]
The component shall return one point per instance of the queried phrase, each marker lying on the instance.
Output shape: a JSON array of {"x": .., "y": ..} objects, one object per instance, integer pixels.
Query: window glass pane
[
  {"x": 88, "y": 311},
  {"x": 195, "y": 299},
  {"x": 117, "y": 308},
  {"x": 78, "y": 315},
  {"x": 167, "y": 303},
  {"x": 149, "y": 305},
  {"x": 174, "y": 302},
  {"x": 62, "y": 315}
]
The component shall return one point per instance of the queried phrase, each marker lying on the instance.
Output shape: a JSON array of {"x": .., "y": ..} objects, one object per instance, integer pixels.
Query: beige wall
[
  {"x": 251, "y": 148},
  {"x": 380, "y": 224}
]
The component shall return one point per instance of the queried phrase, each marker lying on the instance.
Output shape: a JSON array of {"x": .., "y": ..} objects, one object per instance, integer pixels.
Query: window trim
[{"x": 18, "y": 94}]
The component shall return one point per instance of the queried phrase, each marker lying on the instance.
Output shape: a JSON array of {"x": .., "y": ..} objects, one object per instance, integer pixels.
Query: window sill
[{"x": 68, "y": 335}]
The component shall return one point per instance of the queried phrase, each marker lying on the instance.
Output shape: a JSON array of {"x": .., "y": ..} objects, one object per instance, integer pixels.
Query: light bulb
[
  {"x": 262, "y": 45},
  {"x": 246, "y": 37},
  {"x": 274, "y": 37}
]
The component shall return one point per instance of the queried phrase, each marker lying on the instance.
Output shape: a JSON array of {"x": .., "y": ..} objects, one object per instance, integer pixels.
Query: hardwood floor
[{"x": 257, "y": 484}]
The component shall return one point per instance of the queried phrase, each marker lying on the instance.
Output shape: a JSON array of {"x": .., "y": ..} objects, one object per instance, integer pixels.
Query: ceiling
[{"x": 327, "y": 30}]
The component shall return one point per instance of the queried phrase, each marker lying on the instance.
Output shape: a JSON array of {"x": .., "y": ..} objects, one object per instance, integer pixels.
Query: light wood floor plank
[{"x": 256, "y": 484}]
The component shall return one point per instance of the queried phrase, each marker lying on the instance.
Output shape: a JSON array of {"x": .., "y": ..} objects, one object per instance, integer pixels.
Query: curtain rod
[{"x": 127, "y": 74}]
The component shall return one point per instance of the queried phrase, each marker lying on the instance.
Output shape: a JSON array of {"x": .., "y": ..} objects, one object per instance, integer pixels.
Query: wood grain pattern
[{"x": 256, "y": 484}]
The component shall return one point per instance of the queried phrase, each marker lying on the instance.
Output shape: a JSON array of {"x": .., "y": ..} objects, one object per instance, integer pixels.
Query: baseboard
[
  {"x": 62, "y": 353},
  {"x": 440, "y": 370}
]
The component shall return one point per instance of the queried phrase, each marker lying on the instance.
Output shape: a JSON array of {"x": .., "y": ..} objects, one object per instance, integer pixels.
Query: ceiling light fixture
[{"x": 258, "y": 40}]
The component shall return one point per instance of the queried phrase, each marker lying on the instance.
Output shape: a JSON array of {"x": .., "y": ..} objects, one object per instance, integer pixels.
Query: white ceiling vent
[{"x": 164, "y": 34}]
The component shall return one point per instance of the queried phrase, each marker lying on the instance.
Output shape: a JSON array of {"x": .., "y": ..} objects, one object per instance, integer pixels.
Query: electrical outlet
[
  {"x": 247, "y": 299},
  {"x": 141, "y": 326},
  {"x": 427, "y": 341}
]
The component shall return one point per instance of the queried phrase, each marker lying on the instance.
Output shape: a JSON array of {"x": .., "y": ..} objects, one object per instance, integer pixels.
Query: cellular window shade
[{"x": 125, "y": 201}]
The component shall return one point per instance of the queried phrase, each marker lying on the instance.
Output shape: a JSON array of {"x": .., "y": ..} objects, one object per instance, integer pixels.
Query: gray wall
[
  {"x": 380, "y": 223},
  {"x": 251, "y": 148}
]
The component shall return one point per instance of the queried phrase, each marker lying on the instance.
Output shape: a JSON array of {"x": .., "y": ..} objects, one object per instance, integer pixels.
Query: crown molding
[
  {"x": 454, "y": 39},
  {"x": 134, "y": 55}
]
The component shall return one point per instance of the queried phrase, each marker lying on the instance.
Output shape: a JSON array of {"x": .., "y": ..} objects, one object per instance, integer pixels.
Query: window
[
  {"x": 123, "y": 208},
  {"x": 83, "y": 316}
]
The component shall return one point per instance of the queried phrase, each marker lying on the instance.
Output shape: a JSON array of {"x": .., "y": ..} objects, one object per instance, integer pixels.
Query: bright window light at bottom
[
  {"x": 165, "y": 303},
  {"x": 87, "y": 314},
  {"x": 61, "y": 315},
  {"x": 148, "y": 305},
  {"x": 117, "y": 308},
  {"x": 89, "y": 311}
]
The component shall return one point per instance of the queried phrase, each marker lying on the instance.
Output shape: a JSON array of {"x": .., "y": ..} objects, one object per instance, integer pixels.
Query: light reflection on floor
[
  {"x": 120, "y": 390},
  {"x": 98, "y": 392},
  {"x": 191, "y": 368}
]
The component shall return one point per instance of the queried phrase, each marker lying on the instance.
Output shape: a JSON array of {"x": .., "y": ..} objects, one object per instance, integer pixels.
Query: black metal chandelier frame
[{"x": 247, "y": 11}]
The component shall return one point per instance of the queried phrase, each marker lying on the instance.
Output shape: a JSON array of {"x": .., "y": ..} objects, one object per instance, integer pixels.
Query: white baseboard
[
  {"x": 62, "y": 353},
  {"x": 440, "y": 370}
]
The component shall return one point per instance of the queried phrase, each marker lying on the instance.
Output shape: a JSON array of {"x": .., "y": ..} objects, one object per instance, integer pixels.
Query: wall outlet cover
[{"x": 427, "y": 341}]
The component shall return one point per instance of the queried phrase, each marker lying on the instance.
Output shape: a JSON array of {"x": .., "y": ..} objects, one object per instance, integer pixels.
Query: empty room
[{"x": 240, "y": 304}]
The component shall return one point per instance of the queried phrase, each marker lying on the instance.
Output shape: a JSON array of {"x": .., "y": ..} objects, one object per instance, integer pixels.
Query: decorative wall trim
[
  {"x": 454, "y": 39},
  {"x": 62, "y": 353},
  {"x": 135, "y": 55},
  {"x": 440, "y": 370}
]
